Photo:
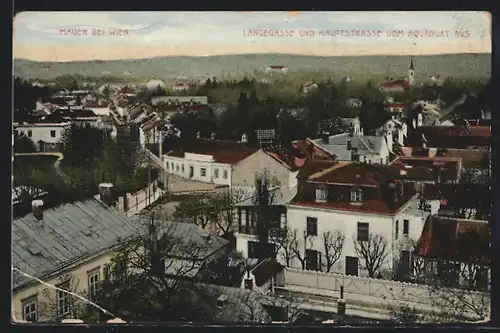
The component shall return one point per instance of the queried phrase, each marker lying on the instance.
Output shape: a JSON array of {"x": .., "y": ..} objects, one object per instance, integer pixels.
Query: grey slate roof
[
  {"x": 283, "y": 195},
  {"x": 68, "y": 233},
  {"x": 337, "y": 144},
  {"x": 189, "y": 234}
]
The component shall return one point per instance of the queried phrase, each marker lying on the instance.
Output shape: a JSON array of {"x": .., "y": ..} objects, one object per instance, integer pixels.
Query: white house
[
  {"x": 75, "y": 260},
  {"x": 179, "y": 87},
  {"x": 277, "y": 69},
  {"x": 207, "y": 160},
  {"x": 398, "y": 129},
  {"x": 45, "y": 136},
  {"x": 356, "y": 147},
  {"x": 355, "y": 200}
]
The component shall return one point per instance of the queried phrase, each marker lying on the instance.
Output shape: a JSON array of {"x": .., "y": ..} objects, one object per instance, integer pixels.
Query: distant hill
[{"x": 456, "y": 65}]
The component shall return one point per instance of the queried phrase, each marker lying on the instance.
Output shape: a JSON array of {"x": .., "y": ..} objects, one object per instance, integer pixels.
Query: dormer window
[
  {"x": 356, "y": 196},
  {"x": 321, "y": 194}
]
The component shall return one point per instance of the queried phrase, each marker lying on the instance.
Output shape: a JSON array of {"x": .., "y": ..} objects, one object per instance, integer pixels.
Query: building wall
[
  {"x": 181, "y": 167},
  {"x": 46, "y": 297},
  {"x": 347, "y": 223},
  {"x": 42, "y": 132},
  {"x": 244, "y": 172}
]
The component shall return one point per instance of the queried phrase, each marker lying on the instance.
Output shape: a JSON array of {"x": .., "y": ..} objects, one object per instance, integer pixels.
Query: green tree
[
  {"x": 83, "y": 144},
  {"x": 23, "y": 144}
]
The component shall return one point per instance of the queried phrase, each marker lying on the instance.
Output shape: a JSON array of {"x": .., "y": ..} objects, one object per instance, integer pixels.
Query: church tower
[{"x": 411, "y": 73}]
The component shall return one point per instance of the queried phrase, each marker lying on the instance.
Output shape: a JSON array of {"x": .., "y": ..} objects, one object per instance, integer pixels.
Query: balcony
[{"x": 243, "y": 229}]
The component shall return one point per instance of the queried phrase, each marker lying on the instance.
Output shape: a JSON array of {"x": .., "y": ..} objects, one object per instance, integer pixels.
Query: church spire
[{"x": 411, "y": 64}]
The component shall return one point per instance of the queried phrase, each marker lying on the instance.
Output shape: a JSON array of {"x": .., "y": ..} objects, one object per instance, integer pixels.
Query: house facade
[
  {"x": 45, "y": 136},
  {"x": 356, "y": 147},
  {"x": 281, "y": 165},
  {"x": 245, "y": 217},
  {"x": 356, "y": 201},
  {"x": 77, "y": 255},
  {"x": 40, "y": 248},
  {"x": 208, "y": 161}
]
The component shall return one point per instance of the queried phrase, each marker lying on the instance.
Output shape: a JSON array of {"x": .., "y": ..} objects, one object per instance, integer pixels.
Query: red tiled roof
[
  {"x": 471, "y": 158},
  {"x": 229, "y": 152},
  {"x": 422, "y": 167},
  {"x": 314, "y": 166},
  {"x": 482, "y": 131},
  {"x": 402, "y": 83},
  {"x": 450, "y": 137},
  {"x": 288, "y": 158},
  {"x": 455, "y": 240},
  {"x": 355, "y": 173}
]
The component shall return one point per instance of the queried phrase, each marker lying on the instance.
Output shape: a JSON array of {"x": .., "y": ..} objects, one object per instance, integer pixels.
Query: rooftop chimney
[
  {"x": 106, "y": 193},
  {"x": 37, "y": 206}
]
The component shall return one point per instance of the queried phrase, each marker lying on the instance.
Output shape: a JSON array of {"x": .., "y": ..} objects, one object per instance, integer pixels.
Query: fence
[
  {"x": 133, "y": 203},
  {"x": 383, "y": 289}
]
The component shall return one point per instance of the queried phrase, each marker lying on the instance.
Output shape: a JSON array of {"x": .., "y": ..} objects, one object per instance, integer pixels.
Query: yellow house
[{"x": 66, "y": 247}]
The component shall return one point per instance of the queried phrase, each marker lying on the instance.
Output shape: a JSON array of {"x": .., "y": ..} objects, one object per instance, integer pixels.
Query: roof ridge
[{"x": 328, "y": 170}]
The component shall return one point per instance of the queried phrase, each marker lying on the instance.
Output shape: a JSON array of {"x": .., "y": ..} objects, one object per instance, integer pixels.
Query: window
[
  {"x": 312, "y": 226},
  {"x": 94, "y": 278},
  {"x": 63, "y": 300},
  {"x": 30, "y": 309},
  {"x": 363, "y": 231},
  {"x": 168, "y": 166},
  {"x": 30, "y": 133},
  {"x": 406, "y": 227},
  {"x": 396, "y": 233},
  {"x": 52, "y": 134},
  {"x": 203, "y": 172},
  {"x": 182, "y": 168},
  {"x": 177, "y": 167},
  {"x": 356, "y": 196},
  {"x": 107, "y": 273},
  {"x": 313, "y": 260},
  {"x": 216, "y": 173},
  {"x": 321, "y": 194},
  {"x": 224, "y": 174},
  {"x": 351, "y": 266},
  {"x": 253, "y": 249}
]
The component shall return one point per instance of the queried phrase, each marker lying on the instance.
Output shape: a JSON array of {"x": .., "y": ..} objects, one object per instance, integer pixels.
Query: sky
[{"x": 71, "y": 36}]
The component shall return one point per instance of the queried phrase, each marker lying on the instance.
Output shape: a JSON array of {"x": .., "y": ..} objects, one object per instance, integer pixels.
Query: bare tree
[
  {"x": 199, "y": 210},
  {"x": 467, "y": 300},
  {"x": 373, "y": 252},
  {"x": 147, "y": 274},
  {"x": 210, "y": 211},
  {"x": 285, "y": 242},
  {"x": 333, "y": 243},
  {"x": 300, "y": 245}
]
